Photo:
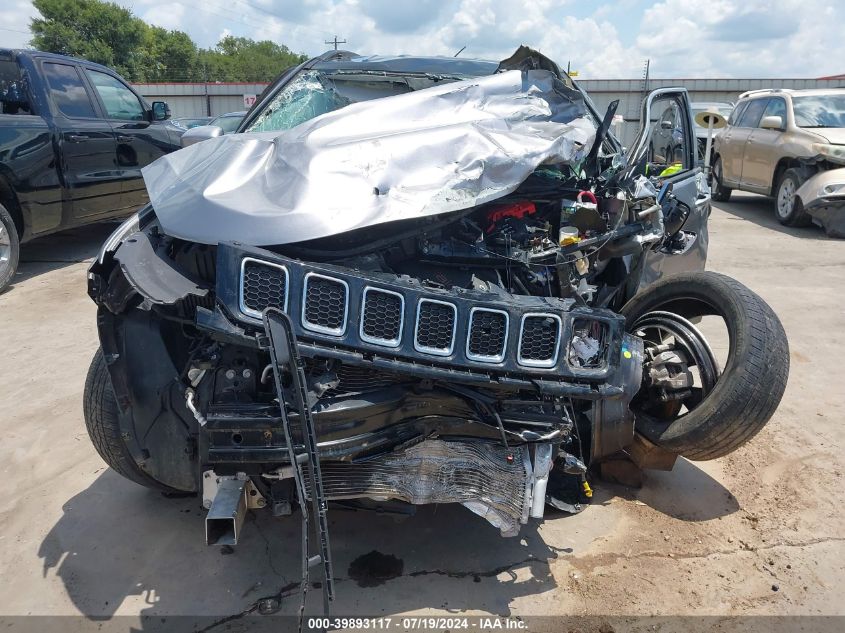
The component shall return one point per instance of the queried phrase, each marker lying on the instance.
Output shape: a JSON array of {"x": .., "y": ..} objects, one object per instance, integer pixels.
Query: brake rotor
[{"x": 674, "y": 344}]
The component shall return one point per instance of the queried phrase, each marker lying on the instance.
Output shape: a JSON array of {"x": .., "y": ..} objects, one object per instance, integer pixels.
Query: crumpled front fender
[{"x": 823, "y": 198}]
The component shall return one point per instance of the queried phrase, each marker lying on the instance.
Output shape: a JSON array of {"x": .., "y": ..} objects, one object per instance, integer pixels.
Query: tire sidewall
[
  {"x": 8, "y": 268},
  {"x": 691, "y": 434},
  {"x": 721, "y": 193},
  {"x": 102, "y": 421},
  {"x": 717, "y": 171}
]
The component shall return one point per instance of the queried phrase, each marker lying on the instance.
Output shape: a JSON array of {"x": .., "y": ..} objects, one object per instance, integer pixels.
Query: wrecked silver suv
[{"x": 425, "y": 281}]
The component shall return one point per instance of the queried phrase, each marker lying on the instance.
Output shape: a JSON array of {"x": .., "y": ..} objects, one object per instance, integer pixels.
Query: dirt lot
[{"x": 759, "y": 532}]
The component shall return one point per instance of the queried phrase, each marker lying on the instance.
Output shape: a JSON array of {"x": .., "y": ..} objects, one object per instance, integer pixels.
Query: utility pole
[
  {"x": 335, "y": 41},
  {"x": 644, "y": 90},
  {"x": 205, "y": 90}
]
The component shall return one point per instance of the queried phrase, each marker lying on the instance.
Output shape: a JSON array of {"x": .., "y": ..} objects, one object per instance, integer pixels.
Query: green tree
[
  {"x": 100, "y": 31},
  {"x": 243, "y": 59},
  {"x": 108, "y": 34},
  {"x": 168, "y": 56}
]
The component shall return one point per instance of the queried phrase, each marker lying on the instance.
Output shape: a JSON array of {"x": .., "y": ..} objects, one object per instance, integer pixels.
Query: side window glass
[
  {"x": 753, "y": 113},
  {"x": 668, "y": 147},
  {"x": 737, "y": 113},
  {"x": 67, "y": 91},
  {"x": 120, "y": 102},
  {"x": 13, "y": 93},
  {"x": 775, "y": 107}
]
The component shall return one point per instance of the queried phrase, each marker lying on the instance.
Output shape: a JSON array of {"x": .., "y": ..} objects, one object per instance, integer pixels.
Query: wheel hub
[
  {"x": 786, "y": 197},
  {"x": 5, "y": 246},
  {"x": 673, "y": 346}
]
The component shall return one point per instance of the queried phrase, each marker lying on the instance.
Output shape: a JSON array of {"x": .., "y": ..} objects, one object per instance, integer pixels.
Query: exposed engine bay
[{"x": 487, "y": 354}]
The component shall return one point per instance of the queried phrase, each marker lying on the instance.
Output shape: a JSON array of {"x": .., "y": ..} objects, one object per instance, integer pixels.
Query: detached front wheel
[{"x": 688, "y": 404}]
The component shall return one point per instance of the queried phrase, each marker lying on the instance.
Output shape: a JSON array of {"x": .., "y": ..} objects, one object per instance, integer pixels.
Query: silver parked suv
[{"x": 778, "y": 140}]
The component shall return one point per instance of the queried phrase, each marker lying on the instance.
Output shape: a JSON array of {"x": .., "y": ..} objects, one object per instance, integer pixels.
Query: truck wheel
[
  {"x": 101, "y": 419},
  {"x": 788, "y": 206},
  {"x": 720, "y": 192},
  {"x": 10, "y": 248},
  {"x": 723, "y": 410}
]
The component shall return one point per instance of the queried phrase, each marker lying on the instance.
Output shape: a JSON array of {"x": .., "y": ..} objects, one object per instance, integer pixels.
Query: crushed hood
[{"x": 423, "y": 153}]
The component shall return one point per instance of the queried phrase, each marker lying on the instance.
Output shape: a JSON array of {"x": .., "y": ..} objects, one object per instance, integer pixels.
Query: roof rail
[{"x": 759, "y": 91}]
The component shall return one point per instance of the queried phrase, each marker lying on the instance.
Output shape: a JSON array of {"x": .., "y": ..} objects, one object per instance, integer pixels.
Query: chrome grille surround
[
  {"x": 242, "y": 300},
  {"x": 391, "y": 342},
  {"x": 533, "y": 362},
  {"x": 317, "y": 327},
  {"x": 484, "y": 358},
  {"x": 435, "y": 351}
]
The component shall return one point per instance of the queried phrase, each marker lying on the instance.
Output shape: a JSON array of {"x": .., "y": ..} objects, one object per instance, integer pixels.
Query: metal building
[{"x": 202, "y": 99}]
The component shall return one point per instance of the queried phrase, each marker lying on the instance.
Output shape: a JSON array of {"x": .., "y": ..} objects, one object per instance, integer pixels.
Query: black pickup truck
[{"x": 73, "y": 139}]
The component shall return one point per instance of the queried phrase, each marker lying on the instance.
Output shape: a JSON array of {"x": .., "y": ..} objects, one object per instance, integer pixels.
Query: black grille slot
[
  {"x": 435, "y": 327},
  {"x": 488, "y": 333},
  {"x": 358, "y": 379},
  {"x": 381, "y": 321},
  {"x": 538, "y": 341},
  {"x": 324, "y": 308},
  {"x": 263, "y": 286}
]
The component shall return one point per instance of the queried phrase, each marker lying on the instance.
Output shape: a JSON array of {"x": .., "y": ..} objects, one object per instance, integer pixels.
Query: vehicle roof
[
  {"x": 707, "y": 104},
  {"x": 810, "y": 92},
  {"x": 12, "y": 53},
  {"x": 346, "y": 60}
]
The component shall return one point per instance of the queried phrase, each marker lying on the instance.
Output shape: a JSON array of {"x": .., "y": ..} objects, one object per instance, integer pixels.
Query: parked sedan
[
  {"x": 228, "y": 122},
  {"x": 191, "y": 122},
  {"x": 223, "y": 124}
]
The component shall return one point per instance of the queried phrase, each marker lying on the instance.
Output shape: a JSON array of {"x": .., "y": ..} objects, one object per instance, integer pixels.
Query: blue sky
[{"x": 682, "y": 38}]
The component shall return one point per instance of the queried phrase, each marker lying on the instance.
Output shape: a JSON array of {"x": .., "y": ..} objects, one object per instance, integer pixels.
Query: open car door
[{"x": 665, "y": 151}]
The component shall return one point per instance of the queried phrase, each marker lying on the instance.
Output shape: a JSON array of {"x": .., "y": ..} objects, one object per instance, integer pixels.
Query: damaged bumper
[{"x": 823, "y": 197}]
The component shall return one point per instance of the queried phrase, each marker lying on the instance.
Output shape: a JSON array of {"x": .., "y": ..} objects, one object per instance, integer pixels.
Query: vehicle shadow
[
  {"x": 686, "y": 493},
  {"x": 760, "y": 211},
  {"x": 122, "y": 550},
  {"x": 61, "y": 249}
]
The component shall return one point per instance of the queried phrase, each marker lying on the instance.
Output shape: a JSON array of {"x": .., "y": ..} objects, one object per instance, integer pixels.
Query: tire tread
[
  {"x": 749, "y": 390},
  {"x": 102, "y": 422}
]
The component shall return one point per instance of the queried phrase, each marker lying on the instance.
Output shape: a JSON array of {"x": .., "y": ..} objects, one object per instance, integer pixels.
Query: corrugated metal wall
[{"x": 198, "y": 99}]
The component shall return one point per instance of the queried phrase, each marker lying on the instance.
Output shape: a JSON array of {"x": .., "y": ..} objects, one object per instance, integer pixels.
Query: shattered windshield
[
  {"x": 309, "y": 95},
  {"x": 315, "y": 92},
  {"x": 819, "y": 110}
]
